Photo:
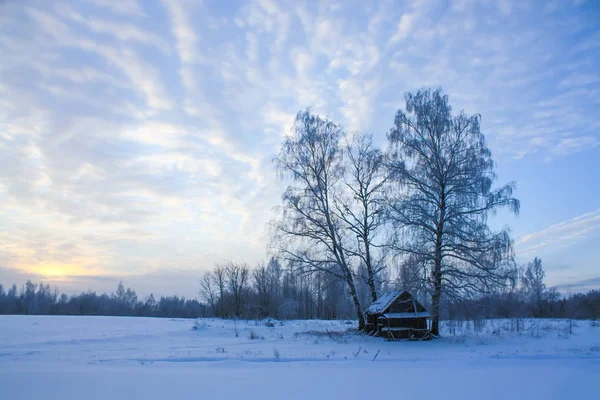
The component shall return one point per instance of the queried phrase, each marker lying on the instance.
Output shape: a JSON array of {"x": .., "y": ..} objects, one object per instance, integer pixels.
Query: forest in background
[{"x": 271, "y": 291}]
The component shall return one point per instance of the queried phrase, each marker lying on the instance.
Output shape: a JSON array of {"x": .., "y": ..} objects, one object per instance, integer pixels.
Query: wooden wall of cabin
[
  {"x": 372, "y": 320},
  {"x": 415, "y": 323}
]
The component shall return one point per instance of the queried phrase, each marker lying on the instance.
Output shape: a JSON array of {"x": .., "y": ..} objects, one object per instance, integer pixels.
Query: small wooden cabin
[{"x": 397, "y": 315}]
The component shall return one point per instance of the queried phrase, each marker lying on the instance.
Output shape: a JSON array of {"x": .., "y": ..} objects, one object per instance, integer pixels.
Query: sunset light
[
  {"x": 55, "y": 270},
  {"x": 268, "y": 199}
]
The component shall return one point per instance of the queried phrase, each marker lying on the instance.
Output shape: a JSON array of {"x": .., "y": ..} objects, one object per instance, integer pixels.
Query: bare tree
[
  {"x": 219, "y": 281},
  {"x": 310, "y": 234},
  {"x": 237, "y": 279},
  {"x": 363, "y": 208},
  {"x": 533, "y": 283},
  {"x": 207, "y": 290},
  {"x": 275, "y": 275},
  {"x": 261, "y": 281},
  {"x": 446, "y": 170}
]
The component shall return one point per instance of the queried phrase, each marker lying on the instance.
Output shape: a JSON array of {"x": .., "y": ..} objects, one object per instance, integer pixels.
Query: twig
[
  {"x": 376, "y": 355},
  {"x": 358, "y": 352}
]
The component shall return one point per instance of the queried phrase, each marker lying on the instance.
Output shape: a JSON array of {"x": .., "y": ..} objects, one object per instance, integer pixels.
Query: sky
[{"x": 137, "y": 137}]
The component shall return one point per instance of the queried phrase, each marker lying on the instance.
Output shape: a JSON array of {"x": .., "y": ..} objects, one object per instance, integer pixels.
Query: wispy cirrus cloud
[
  {"x": 142, "y": 75},
  {"x": 559, "y": 234},
  {"x": 122, "y": 7},
  {"x": 141, "y": 134},
  {"x": 405, "y": 26},
  {"x": 579, "y": 286},
  {"x": 575, "y": 145},
  {"x": 121, "y": 30}
]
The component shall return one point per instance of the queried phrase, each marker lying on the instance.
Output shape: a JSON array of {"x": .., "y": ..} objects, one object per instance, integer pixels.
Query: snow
[
  {"x": 421, "y": 314},
  {"x": 59, "y": 357},
  {"x": 383, "y": 302}
]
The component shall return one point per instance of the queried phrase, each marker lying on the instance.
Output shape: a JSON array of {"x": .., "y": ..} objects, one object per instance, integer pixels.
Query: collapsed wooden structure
[{"x": 397, "y": 315}]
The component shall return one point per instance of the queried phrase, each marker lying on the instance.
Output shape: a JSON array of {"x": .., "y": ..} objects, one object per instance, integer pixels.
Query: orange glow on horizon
[{"x": 54, "y": 270}]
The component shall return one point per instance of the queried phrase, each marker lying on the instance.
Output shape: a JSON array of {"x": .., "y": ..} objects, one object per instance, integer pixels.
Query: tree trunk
[
  {"x": 373, "y": 291},
  {"x": 359, "y": 314},
  {"x": 367, "y": 244},
  {"x": 435, "y": 301},
  {"x": 222, "y": 301},
  {"x": 437, "y": 273},
  {"x": 371, "y": 280},
  {"x": 437, "y": 286},
  {"x": 341, "y": 259}
]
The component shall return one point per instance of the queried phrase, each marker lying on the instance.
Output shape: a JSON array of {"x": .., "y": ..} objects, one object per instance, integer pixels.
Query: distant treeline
[
  {"x": 236, "y": 290},
  {"x": 34, "y": 299},
  {"x": 516, "y": 305},
  {"x": 231, "y": 289}
]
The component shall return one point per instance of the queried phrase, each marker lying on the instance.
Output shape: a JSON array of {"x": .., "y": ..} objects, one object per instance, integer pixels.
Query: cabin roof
[
  {"x": 420, "y": 314},
  {"x": 383, "y": 302}
]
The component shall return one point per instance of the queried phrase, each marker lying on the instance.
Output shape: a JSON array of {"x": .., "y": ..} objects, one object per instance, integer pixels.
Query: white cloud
[
  {"x": 574, "y": 145},
  {"x": 107, "y": 135},
  {"x": 124, "y": 7},
  {"x": 52, "y": 25},
  {"x": 143, "y": 76},
  {"x": 281, "y": 120},
  {"x": 504, "y": 6},
  {"x": 380, "y": 18},
  {"x": 128, "y": 32},
  {"x": 269, "y": 6},
  {"x": 183, "y": 31},
  {"x": 579, "y": 80},
  {"x": 251, "y": 47},
  {"x": 562, "y": 233},
  {"x": 358, "y": 102},
  {"x": 79, "y": 75},
  {"x": 303, "y": 62},
  {"x": 404, "y": 28}
]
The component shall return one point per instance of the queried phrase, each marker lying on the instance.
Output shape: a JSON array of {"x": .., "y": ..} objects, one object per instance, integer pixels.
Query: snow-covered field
[{"x": 49, "y": 357}]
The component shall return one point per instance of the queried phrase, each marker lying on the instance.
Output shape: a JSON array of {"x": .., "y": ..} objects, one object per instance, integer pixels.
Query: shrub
[
  {"x": 253, "y": 336},
  {"x": 198, "y": 324},
  {"x": 270, "y": 322}
]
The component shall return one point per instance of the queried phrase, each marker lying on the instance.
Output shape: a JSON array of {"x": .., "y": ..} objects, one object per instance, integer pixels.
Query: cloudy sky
[{"x": 137, "y": 137}]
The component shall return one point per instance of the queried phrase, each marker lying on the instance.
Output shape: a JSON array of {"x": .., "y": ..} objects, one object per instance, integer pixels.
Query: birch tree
[
  {"x": 363, "y": 210},
  {"x": 237, "y": 276},
  {"x": 310, "y": 234},
  {"x": 261, "y": 282},
  {"x": 207, "y": 290},
  {"x": 445, "y": 169},
  {"x": 533, "y": 283},
  {"x": 219, "y": 281}
]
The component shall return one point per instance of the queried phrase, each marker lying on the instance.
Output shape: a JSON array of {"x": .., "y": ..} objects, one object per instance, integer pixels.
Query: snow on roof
[
  {"x": 421, "y": 314},
  {"x": 383, "y": 302},
  {"x": 399, "y": 329}
]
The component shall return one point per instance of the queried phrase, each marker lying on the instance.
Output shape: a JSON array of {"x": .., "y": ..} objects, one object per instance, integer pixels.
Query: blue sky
[{"x": 137, "y": 137}]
